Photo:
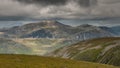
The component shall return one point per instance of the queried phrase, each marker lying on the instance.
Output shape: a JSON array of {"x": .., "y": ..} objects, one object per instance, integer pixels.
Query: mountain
[
  {"x": 55, "y": 29},
  {"x": 101, "y": 50},
  {"x": 87, "y": 31},
  {"x": 116, "y": 29},
  {"x": 8, "y": 24},
  {"x": 25, "y": 61}
]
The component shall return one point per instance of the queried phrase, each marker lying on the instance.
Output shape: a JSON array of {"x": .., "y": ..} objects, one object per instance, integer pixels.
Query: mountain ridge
[{"x": 55, "y": 29}]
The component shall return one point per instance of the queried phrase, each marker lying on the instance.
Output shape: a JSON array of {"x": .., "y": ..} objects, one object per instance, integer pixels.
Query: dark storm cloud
[
  {"x": 83, "y": 3},
  {"x": 87, "y": 3},
  {"x": 45, "y": 2},
  {"x": 110, "y": 1}
]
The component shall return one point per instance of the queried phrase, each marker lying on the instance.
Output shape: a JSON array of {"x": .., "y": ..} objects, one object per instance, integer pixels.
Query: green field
[{"x": 24, "y": 61}]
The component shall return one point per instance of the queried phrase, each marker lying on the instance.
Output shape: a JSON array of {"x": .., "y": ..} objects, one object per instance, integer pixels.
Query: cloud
[
  {"x": 44, "y": 2},
  {"x": 14, "y": 8},
  {"x": 65, "y": 9},
  {"x": 107, "y": 8}
]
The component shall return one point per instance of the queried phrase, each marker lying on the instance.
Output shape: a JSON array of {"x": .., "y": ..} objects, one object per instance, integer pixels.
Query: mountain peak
[
  {"x": 50, "y": 22},
  {"x": 85, "y": 25},
  {"x": 54, "y": 23},
  {"x": 45, "y": 23}
]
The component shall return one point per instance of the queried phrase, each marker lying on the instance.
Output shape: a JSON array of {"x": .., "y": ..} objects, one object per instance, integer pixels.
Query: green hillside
[
  {"x": 30, "y": 46},
  {"x": 102, "y": 50},
  {"x": 42, "y": 46},
  {"x": 8, "y": 46},
  {"x": 23, "y": 61}
]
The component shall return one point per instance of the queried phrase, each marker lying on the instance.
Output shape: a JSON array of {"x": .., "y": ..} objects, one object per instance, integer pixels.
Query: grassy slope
[
  {"x": 30, "y": 46},
  {"x": 42, "y": 46},
  {"x": 23, "y": 61},
  {"x": 8, "y": 46},
  {"x": 102, "y": 50}
]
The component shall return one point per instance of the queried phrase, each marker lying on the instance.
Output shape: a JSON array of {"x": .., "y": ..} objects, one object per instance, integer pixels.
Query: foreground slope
[
  {"x": 102, "y": 50},
  {"x": 23, "y": 61}
]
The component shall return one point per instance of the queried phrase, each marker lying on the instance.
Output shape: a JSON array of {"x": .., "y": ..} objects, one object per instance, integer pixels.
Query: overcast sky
[
  {"x": 60, "y": 9},
  {"x": 68, "y": 9}
]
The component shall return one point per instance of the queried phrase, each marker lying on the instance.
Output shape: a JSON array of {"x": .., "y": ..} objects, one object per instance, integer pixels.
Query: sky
[{"x": 71, "y": 10}]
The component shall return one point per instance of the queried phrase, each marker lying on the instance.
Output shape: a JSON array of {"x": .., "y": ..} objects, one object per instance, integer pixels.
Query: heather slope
[{"x": 102, "y": 50}]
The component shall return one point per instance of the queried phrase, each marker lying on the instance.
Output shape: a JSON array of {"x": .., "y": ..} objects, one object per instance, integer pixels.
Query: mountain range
[{"x": 55, "y": 29}]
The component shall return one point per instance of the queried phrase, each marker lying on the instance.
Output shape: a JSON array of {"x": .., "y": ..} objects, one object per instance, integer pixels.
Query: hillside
[
  {"x": 116, "y": 29},
  {"x": 42, "y": 46},
  {"x": 30, "y": 45},
  {"x": 102, "y": 50},
  {"x": 23, "y": 61},
  {"x": 8, "y": 46}
]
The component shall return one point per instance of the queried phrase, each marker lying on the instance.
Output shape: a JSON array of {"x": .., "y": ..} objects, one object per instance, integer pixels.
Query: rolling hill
[
  {"x": 101, "y": 50},
  {"x": 24, "y": 61}
]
